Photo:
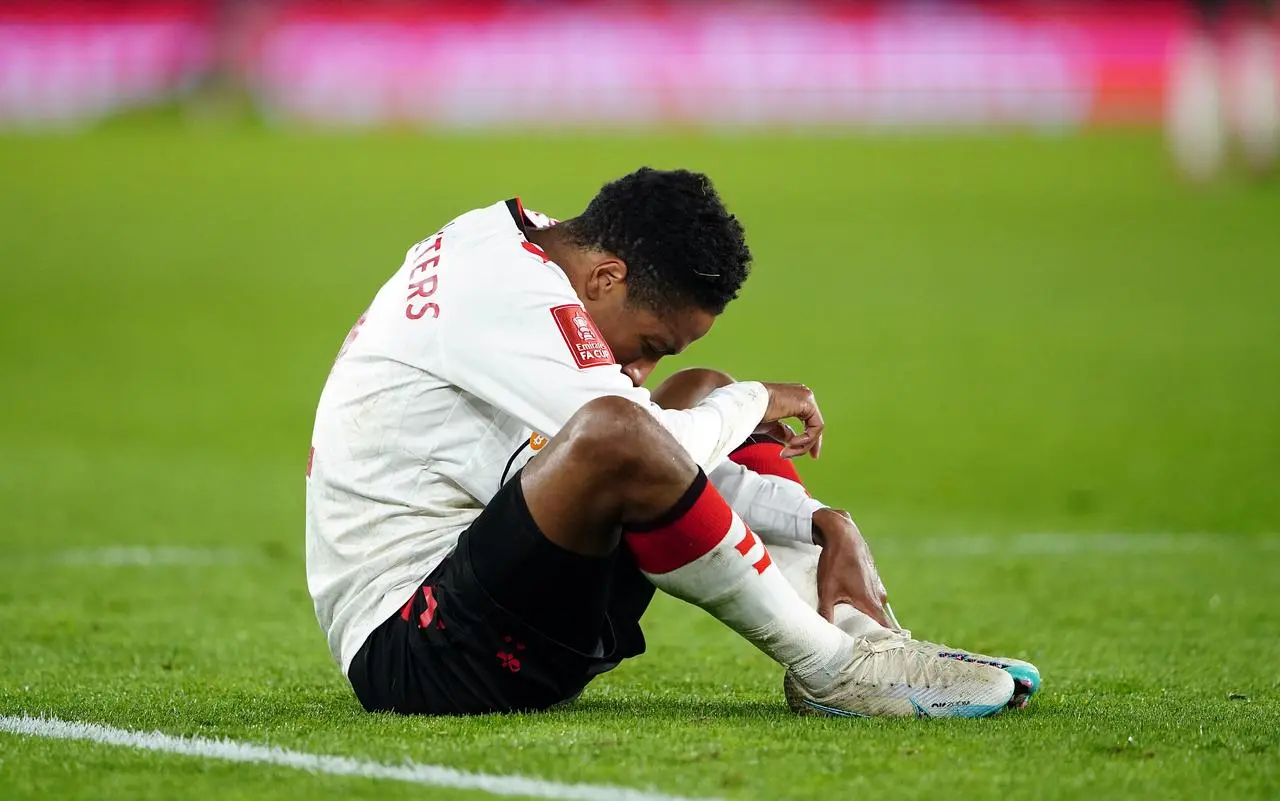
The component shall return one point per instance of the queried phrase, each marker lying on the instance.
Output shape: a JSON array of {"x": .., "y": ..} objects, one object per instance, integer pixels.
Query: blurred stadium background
[
  {"x": 1042, "y": 64},
  {"x": 1027, "y": 252}
]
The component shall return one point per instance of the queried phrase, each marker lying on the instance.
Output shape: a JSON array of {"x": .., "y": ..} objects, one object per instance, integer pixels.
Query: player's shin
[{"x": 702, "y": 553}]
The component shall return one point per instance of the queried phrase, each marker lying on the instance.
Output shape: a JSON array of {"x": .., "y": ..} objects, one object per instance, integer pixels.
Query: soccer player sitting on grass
[{"x": 493, "y": 496}]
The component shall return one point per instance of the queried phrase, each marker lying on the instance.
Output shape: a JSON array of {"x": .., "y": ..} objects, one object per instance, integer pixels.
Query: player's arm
[{"x": 776, "y": 508}]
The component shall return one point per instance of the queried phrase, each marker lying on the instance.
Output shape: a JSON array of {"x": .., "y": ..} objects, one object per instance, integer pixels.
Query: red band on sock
[
  {"x": 693, "y": 533},
  {"x": 762, "y": 564},
  {"x": 766, "y": 459}
]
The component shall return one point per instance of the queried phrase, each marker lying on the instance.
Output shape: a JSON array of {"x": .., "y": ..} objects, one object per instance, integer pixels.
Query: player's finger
[
  {"x": 777, "y": 430},
  {"x": 811, "y": 440},
  {"x": 830, "y": 593},
  {"x": 792, "y": 451},
  {"x": 827, "y": 610},
  {"x": 812, "y": 419},
  {"x": 813, "y": 426},
  {"x": 868, "y": 606},
  {"x": 797, "y": 444},
  {"x": 874, "y": 611}
]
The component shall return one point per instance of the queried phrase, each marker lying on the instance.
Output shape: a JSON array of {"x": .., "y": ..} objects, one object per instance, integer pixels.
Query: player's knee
[
  {"x": 612, "y": 434},
  {"x": 686, "y": 388}
]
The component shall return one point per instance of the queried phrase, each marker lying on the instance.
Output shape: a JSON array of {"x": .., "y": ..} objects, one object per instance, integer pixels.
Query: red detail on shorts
[
  {"x": 508, "y": 659},
  {"x": 748, "y": 542},
  {"x": 407, "y": 610},
  {"x": 693, "y": 535},
  {"x": 581, "y": 335},
  {"x": 311, "y": 457},
  {"x": 762, "y": 564},
  {"x": 766, "y": 459},
  {"x": 424, "y": 619},
  {"x": 535, "y": 250}
]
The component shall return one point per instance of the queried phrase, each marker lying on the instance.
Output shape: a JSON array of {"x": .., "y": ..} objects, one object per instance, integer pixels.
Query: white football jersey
[{"x": 470, "y": 358}]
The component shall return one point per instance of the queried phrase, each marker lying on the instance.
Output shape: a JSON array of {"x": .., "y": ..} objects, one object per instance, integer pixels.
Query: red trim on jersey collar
[
  {"x": 521, "y": 219},
  {"x": 524, "y": 222}
]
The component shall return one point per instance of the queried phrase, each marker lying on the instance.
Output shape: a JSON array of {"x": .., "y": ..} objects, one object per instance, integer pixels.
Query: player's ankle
[
  {"x": 818, "y": 672},
  {"x": 854, "y": 622}
]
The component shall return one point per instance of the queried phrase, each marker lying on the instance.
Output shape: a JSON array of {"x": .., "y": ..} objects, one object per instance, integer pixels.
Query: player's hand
[
  {"x": 796, "y": 401},
  {"x": 846, "y": 572}
]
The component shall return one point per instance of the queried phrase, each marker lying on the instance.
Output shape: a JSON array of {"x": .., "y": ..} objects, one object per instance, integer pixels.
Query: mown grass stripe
[{"x": 959, "y": 546}]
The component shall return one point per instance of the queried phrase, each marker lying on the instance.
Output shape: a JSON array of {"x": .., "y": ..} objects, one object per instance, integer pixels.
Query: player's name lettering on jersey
[{"x": 424, "y": 280}]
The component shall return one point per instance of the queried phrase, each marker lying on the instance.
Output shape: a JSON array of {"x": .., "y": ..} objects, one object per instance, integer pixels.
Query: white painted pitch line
[
  {"x": 131, "y": 556},
  {"x": 411, "y": 772},
  {"x": 163, "y": 555}
]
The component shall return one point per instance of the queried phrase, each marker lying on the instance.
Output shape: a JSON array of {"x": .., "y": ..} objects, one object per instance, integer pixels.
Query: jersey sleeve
[
  {"x": 776, "y": 508},
  {"x": 529, "y": 348}
]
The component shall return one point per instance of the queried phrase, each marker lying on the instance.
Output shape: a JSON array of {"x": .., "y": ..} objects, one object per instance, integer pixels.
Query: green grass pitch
[{"x": 1010, "y": 336}]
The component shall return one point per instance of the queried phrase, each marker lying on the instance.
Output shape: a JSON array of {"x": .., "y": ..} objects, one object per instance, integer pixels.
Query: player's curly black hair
[{"x": 681, "y": 245}]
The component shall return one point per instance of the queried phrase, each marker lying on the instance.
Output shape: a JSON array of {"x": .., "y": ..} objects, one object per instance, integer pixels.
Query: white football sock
[{"x": 708, "y": 557}]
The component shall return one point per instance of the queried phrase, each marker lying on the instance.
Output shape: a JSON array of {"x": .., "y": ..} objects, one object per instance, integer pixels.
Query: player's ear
[{"x": 609, "y": 275}]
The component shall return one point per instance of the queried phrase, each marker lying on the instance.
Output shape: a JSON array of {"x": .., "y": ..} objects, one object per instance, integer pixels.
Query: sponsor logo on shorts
[{"x": 508, "y": 658}]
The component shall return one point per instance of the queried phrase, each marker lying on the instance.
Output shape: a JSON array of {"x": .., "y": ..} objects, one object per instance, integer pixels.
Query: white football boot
[
  {"x": 1026, "y": 676},
  {"x": 799, "y": 564},
  {"x": 891, "y": 675}
]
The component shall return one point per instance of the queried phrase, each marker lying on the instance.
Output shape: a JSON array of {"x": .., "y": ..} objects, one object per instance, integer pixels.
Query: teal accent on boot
[{"x": 1025, "y": 673}]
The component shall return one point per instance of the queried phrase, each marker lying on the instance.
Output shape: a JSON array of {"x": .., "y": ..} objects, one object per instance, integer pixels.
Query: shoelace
[{"x": 918, "y": 661}]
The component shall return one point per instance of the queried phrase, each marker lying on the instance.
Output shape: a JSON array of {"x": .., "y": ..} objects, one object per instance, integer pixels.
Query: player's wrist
[{"x": 830, "y": 525}]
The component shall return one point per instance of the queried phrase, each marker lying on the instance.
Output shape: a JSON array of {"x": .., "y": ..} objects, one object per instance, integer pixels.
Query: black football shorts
[{"x": 508, "y": 622}]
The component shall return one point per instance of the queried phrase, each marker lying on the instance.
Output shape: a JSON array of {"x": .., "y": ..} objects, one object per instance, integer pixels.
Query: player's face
[{"x": 639, "y": 337}]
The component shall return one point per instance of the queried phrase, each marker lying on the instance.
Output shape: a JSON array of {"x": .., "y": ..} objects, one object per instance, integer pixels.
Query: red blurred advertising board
[{"x": 603, "y": 65}]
